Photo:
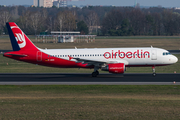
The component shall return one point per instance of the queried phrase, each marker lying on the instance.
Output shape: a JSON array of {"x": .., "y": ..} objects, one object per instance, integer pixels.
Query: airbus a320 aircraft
[{"x": 114, "y": 60}]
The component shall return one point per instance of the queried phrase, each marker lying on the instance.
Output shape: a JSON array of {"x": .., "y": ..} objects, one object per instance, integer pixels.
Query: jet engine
[{"x": 114, "y": 68}]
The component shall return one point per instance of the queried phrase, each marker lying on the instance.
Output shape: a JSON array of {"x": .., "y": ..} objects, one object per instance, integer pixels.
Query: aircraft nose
[{"x": 175, "y": 59}]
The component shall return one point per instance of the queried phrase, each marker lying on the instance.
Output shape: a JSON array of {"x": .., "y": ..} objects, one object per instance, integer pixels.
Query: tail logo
[{"x": 19, "y": 35}]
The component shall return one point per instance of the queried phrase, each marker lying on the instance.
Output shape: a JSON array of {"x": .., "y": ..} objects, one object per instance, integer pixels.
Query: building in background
[
  {"x": 38, "y": 3},
  {"x": 56, "y": 3},
  {"x": 60, "y": 3},
  {"x": 63, "y": 3},
  {"x": 50, "y": 3},
  {"x": 43, "y": 3}
]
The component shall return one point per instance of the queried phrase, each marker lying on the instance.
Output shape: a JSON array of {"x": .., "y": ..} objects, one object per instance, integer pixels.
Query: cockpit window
[{"x": 166, "y": 53}]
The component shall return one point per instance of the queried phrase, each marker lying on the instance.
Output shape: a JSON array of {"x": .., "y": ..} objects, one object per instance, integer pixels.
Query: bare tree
[
  {"x": 0, "y": 23},
  {"x": 137, "y": 20},
  {"x": 4, "y": 18},
  {"x": 112, "y": 21},
  {"x": 44, "y": 16},
  {"x": 65, "y": 21},
  {"x": 60, "y": 20},
  {"x": 70, "y": 22},
  {"x": 35, "y": 21},
  {"x": 14, "y": 12},
  {"x": 50, "y": 23},
  {"x": 92, "y": 21},
  {"x": 25, "y": 20}
]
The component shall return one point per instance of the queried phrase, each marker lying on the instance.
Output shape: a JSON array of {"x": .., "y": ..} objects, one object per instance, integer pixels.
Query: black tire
[
  {"x": 97, "y": 72},
  {"x": 94, "y": 74},
  {"x": 154, "y": 74}
]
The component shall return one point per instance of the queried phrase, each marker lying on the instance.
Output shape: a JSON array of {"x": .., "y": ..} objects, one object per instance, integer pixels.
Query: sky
[{"x": 163, "y": 3}]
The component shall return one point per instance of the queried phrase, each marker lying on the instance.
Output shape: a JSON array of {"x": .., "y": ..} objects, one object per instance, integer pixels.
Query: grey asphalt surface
[{"x": 86, "y": 79}]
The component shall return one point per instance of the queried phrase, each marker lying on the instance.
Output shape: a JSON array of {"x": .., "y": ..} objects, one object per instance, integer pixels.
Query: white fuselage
[{"x": 129, "y": 56}]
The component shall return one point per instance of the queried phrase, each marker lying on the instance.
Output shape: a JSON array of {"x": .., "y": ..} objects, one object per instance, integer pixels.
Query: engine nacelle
[{"x": 114, "y": 68}]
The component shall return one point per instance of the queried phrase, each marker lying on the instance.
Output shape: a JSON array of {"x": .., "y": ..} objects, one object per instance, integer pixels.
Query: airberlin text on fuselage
[{"x": 129, "y": 54}]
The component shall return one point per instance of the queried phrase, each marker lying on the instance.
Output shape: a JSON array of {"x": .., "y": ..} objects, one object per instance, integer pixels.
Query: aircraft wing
[
  {"x": 98, "y": 62},
  {"x": 89, "y": 61}
]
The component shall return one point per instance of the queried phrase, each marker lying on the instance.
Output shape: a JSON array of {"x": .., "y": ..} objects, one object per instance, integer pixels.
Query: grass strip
[{"x": 90, "y": 102}]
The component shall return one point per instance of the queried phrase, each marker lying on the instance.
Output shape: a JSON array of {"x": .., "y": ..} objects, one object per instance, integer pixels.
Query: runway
[{"x": 86, "y": 79}]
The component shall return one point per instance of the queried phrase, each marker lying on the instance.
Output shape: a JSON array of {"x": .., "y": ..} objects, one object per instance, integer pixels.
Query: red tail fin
[{"x": 19, "y": 40}]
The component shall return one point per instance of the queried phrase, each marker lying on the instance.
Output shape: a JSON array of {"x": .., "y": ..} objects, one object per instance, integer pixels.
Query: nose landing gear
[{"x": 154, "y": 71}]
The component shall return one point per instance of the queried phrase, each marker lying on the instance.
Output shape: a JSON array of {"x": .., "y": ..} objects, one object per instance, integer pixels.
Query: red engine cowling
[{"x": 114, "y": 68}]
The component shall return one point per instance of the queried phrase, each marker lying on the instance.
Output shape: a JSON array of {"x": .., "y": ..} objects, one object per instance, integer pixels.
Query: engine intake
[{"x": 114, "y": 68}]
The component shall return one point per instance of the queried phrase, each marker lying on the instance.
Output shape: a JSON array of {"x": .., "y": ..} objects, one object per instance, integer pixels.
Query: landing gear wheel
[
  {"x": 94, "y": 74},
  {"x": 97, "y": 72},
  {"x": 154, "y": 71},
  {"x": 154, "y": 74}
]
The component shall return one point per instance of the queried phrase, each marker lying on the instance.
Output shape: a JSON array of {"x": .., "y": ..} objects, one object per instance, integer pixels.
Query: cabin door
[
  {"x": 39, "y": 56},
  {"x": 153, "y": 54}
]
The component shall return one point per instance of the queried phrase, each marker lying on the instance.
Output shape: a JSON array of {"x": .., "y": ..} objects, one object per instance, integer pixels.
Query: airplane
[{"x": 113, "y": 60}]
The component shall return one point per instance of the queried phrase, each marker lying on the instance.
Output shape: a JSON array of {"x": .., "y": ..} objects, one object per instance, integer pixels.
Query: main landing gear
[
  {"x": 96, "y": 72},
  {"x": 154, "y": 71}
]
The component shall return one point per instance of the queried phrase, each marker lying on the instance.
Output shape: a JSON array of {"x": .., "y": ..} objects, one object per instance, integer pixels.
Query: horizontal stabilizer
[{"x": 18, "y": 55}]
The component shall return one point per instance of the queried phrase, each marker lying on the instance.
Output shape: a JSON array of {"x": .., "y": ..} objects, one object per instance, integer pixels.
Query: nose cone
[{"x": 175, "y": 59}]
